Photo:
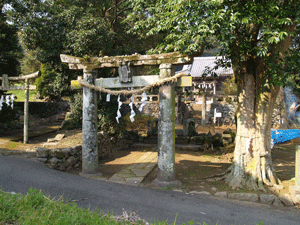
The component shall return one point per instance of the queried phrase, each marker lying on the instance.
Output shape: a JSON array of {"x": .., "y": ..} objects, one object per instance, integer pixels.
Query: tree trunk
[{"x": 252, "y": 166}]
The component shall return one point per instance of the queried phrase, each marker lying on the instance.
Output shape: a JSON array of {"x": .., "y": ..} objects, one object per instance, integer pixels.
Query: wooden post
[
  {"x": 26, "y": 111},
  {"x": 166, "y": 132},
  {"x": 203, "y": 120},
  {"x": 5, "y": 82},
  {"x": 179, "y": 106},
  {"x": 89, "y": 126}
]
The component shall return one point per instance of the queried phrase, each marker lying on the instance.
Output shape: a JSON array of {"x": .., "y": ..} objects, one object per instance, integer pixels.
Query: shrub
[
  {"x": 52, "y": 84},
  {"x": 76, "y": 112},
  {"x": 106, "y": 115}
]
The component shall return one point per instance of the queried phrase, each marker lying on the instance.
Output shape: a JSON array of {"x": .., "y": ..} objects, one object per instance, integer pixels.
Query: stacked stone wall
[{"x": 67, "y": 159}]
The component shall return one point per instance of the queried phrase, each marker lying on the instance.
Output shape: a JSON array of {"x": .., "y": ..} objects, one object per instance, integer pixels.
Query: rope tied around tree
[{"x": 134, "y": 91}]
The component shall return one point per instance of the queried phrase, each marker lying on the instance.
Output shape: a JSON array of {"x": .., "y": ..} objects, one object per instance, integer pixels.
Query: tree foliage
[
  {"x": 93, "y": 28},
  {"x": 10, "y": 50},
  {"x": 256, "y": 36}
]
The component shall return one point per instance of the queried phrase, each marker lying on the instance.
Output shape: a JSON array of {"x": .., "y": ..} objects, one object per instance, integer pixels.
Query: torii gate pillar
[
  {"x": 89, "y": 126},
  {"x": 166, "y": 131}
]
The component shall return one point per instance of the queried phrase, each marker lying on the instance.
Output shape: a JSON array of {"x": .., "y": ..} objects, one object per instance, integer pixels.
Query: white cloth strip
[
  {"x": 108, "y": 97},
  {"x": 7, "y": 98},
  {"x": 144, "y": 99},
  {"x": 119, "y": 107},
  {"x": 132, "y": 111},
  {"x": 1, "y": 102}
]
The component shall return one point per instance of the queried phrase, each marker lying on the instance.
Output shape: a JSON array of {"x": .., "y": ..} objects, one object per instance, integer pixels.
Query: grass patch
[
  {"x": 35, "y": 208},
  {"x": 20, "y": 95}
]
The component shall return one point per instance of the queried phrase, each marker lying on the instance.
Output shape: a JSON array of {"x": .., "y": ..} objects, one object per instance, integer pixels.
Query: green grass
[
  {"x": 20, "y": 94},
  {"x": 35, "y": 208}
]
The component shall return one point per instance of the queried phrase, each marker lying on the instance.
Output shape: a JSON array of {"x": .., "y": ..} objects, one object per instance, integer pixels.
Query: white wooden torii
[{"x": 166, "y": 124}]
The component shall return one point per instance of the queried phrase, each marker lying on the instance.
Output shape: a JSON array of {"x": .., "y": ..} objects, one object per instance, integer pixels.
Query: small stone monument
[{"x": 189, "y": 127}]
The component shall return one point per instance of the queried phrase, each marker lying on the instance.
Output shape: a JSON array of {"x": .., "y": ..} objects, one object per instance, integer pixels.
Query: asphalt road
[{"x": 18, "y": 174}]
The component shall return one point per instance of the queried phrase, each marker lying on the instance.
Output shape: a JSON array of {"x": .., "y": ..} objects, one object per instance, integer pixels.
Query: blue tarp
[{"x": 280, "y": 136}]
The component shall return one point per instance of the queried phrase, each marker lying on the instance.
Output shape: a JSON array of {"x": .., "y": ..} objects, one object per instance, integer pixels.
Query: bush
[
  {"x": 106, "y": 115},
  {"x": 52, "y": 84},
  {"x": 76, "y": 112}
]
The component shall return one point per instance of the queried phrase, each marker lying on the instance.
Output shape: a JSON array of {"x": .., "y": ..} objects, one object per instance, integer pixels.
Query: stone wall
[{"x": 67, "y": 159}]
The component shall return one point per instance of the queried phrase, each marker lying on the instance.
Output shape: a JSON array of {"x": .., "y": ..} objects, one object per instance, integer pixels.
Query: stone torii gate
[{"x": 166, "y": 124}]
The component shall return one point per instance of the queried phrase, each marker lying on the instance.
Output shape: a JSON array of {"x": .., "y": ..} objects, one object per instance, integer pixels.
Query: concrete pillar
[
  {"x": 295, "y": 189},
  {"x": 89, "y": 126},
  {"x": 166, "y": 132},
  {"x": 26, "y": 111}
]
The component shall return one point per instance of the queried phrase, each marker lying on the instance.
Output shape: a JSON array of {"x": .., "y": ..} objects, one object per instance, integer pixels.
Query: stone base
[
  {"x": 167, "y": 184},
  {"x": 295, "y": 193},
  {"x": 91, "y": 175}
]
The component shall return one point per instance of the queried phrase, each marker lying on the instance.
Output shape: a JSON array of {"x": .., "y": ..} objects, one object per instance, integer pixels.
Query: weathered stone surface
[
  {"x": 286, "y": 200},
  {"x": 244, "y": 197},
  {"x": 53, "y": 161},
  {"x": 72, "y": 151},
  {"x": 71, "y": 161},
  {"x": 43, "y": 160},
  {"x": 200, "y": 192},
  {"x": 42, "y": 152},
  {"x": 135, "y": 181},
  {"x": 296, "y": 199},
  {"x": 277, "y": 202},
  {"x": 267, "y": 199},
  {"x": 56, "y": 153},
  {"x": 77, "y": 165},
  {"x": 58, "y": 137},
  {"x": 75, "y": 151},
  {"x": 221, "y": 194},
  {"x": 61, "y": 167},
  {"x": 214, "y": 189},
  {"x": 66, "y": 152}
]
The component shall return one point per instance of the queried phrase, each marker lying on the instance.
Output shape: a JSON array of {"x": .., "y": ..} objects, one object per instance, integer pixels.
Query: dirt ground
[{"x": 192, "y": 167}]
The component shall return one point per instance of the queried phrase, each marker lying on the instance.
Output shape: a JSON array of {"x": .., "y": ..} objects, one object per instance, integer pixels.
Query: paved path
[
  {"x": 136, "y": 173},
  {"x": 18, "y": 174}
]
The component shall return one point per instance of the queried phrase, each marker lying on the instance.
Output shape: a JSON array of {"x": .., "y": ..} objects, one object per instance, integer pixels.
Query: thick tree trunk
[{"x": 252, "y": 166}]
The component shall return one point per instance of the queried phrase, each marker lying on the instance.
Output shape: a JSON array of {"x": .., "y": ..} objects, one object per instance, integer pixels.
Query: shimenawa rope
[{"x": 131, "y": 92}]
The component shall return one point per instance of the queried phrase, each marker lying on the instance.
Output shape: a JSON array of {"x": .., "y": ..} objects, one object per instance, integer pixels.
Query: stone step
[{"x": 136, "y": 173}]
